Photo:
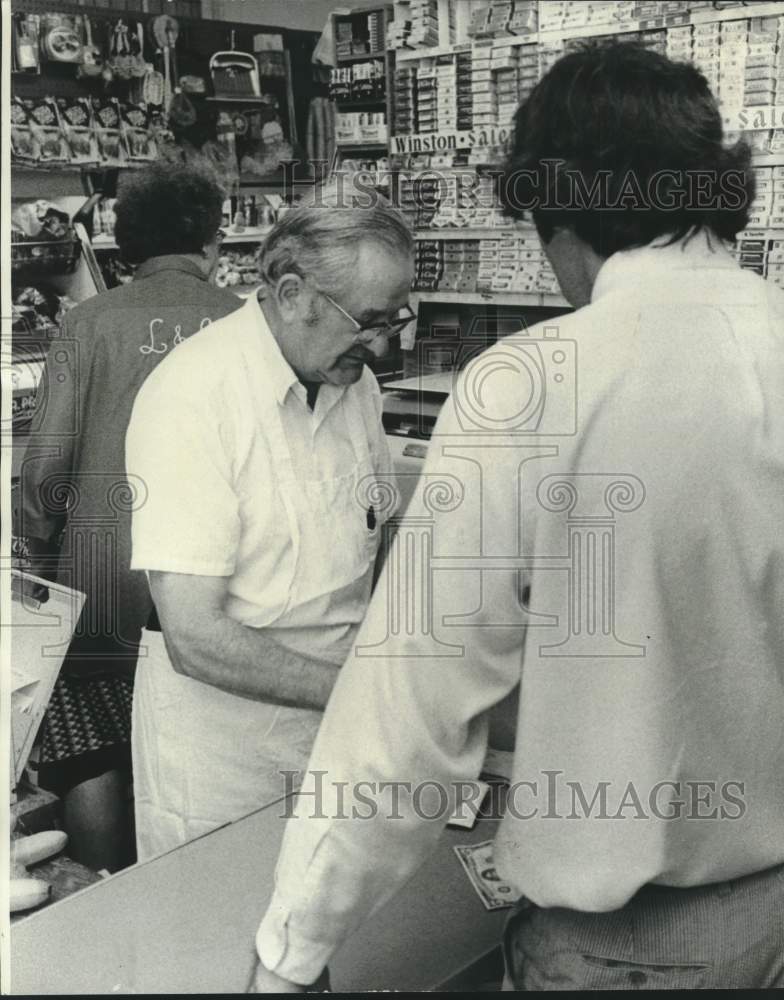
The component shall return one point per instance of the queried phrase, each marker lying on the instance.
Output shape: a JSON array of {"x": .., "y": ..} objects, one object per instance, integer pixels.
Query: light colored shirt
[
  {"x": 213, "y": 507},
  {"x": 643, "y": 622}
]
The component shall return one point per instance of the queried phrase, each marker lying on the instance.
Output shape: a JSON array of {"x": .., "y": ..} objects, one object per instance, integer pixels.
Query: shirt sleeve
[
  {"x": 179, "y": 463},
  {"x": 52, "y": 445},
  {"x": 406, "y": 724}
]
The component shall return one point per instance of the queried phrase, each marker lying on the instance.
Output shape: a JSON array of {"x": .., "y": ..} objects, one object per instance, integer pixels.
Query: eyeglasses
[
  {"x": 367, "y": 332},
  {"x": 220, "y": 236}
]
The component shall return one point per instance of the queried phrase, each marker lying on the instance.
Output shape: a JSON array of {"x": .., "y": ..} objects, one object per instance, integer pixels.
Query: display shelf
[
  {"x": 767, "y": 160},
  {"x": 239, "y": 99},
  {"x": 541, "y": 299},
  {"x": 659, "y": 22},
  {"x": 735, "y": 13},
  {"x": 350, "y": 103},
  {"x": 347, "y": 60},
  {"x": 370, "y": 144},
  {"x": 486, "y": 233}
]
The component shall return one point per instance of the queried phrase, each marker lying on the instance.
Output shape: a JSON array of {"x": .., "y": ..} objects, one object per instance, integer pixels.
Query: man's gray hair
[{"x": 323, "y": 236}]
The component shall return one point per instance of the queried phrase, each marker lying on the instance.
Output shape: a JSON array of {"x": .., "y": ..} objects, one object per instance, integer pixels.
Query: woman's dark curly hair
[
  {"x": 622, "y": 145},
  {"x": 166, "y": 209}
]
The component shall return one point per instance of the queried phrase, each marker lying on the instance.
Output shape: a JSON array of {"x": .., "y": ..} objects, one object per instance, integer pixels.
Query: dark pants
[{"x": 729, "y": 935}]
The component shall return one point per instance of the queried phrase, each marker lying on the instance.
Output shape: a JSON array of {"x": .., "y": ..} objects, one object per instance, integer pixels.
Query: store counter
[{"x": 185, "y": 923}]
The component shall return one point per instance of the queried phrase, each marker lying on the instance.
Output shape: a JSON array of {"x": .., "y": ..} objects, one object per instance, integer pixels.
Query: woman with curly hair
[{"x": 76, "y": 503}]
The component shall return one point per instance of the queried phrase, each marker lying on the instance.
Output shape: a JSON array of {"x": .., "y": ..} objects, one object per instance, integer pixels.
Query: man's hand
[{"x": 264, "y": 981}]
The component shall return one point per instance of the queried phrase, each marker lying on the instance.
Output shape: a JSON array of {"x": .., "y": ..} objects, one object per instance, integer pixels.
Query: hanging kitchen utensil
[
  {"x": 26, "y": 38},
  {"x": 235, "y": 74},
  {"x": 165, "y": 31},
  {"x": 138, "y": 63},
  {"x": 121, "y": 60},
  {"x": 61, "y": 41},
  {"x": 92, "y": 57},
  {"x": 153, "y": 87}
]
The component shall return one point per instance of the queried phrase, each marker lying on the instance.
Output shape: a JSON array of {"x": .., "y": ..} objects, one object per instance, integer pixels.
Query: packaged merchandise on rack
[
  {"x": 78, "y": 128},
  {"x": 45, "y": 125},
  {"x": 106, "y": 115}
]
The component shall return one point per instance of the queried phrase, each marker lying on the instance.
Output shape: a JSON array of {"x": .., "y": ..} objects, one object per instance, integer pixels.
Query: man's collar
[
  {"x": 169, "y": 262},
  {"x": 641, "y": 265}
]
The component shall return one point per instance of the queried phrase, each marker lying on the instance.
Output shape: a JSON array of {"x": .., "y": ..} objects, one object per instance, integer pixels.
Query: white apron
[{"x": 202, "y": 757}]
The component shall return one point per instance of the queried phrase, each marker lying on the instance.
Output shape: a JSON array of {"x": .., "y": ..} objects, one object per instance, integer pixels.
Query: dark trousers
[{"x": 728, "y": 935}]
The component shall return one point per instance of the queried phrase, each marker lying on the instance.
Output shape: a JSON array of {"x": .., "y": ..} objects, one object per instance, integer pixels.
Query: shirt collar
[
  {"x": 639, "y": 265},
  {"x": 169, "y": 262}
]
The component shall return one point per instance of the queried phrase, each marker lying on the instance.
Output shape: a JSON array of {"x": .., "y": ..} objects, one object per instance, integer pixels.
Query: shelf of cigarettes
[
  {"x": 762, "y": 254},
  {"x": 416, "y": 24},
  {"x": 358, "y": 35},
  {"x": 459, "y": 200},
  {"x": 360, "y": 126},
  {"x": 503, "y": 264},
  {"x": 358, "y": 82}
]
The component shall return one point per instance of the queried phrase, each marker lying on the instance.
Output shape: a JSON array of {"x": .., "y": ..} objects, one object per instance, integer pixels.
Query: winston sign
[{"x": 438, "y": 142}]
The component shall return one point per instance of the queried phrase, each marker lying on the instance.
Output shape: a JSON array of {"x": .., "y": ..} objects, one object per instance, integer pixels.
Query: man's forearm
[{"x": 247, "y": 662}]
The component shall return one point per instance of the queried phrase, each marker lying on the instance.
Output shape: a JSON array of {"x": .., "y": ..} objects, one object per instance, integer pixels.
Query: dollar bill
[{"x": 477, "y": 860}]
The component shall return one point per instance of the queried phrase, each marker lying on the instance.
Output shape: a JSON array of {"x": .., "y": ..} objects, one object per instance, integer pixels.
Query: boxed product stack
[
  {"x": 775, "y": 261},
  {"x": 655, "y": 38},
  {"x": 527, "y": 70},
  {"x": 706, "y": 48},
  {"x": 525, "y": 18},
  {"x": 360, "y": 126},
  {"x": 761, "y": 61},
  {"x": 548, "y": 53},
  {"x": 460, "y": 266},
  {"x": 427, "y": 87},
  {"x": 467, "y": 201},
  {"x": 480, "y": 17},
  {"x": 512, "y": 264},
  {"x": 446, "y": 93},
  {"x": 399, "y": 28},
  {"x": 424, "y": 24},
  {"x": 465, "y": 97},
  {"x": 767, "y": 209},
  {"x": 376, "y": 37},
  {"x": 484, "y": 104},
  {"x": 679, "y": 43},
  {"x": 732, "y": 63},
  {"x": 499, "y": 16},
  {"x": 429, "y": 264},
  {"x": 343, "y": 39},
  {"x": 406, "y": 121},
  {"x": 504, "y": 65}
]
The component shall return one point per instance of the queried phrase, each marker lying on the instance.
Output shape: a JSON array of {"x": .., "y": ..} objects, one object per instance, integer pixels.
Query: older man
[{"x": 257, "y": 441}]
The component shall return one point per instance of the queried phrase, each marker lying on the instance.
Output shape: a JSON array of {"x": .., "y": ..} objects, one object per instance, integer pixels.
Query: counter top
[{"x": 185, "y": 923}]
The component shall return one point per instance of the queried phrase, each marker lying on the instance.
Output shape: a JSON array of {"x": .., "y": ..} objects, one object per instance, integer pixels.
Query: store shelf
[
  {"x": 351, "y": 103},
  {"x": 735, "y": 13},
  {"x": 767, "y": 160},
  {"x": 540, "y": 299},
  {"x": 239, "y": 99},
  {"x": 595, "y": 30},
  {"x": 374, "y": 144},
  {"x": 347, "y": 60},
  {"x": 488, "y": 233}
]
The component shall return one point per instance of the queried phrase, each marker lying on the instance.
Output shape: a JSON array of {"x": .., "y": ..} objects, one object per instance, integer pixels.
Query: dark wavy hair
[
  {"x": 622, "y": 145},
  {"x": 166, "y": 209}
]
